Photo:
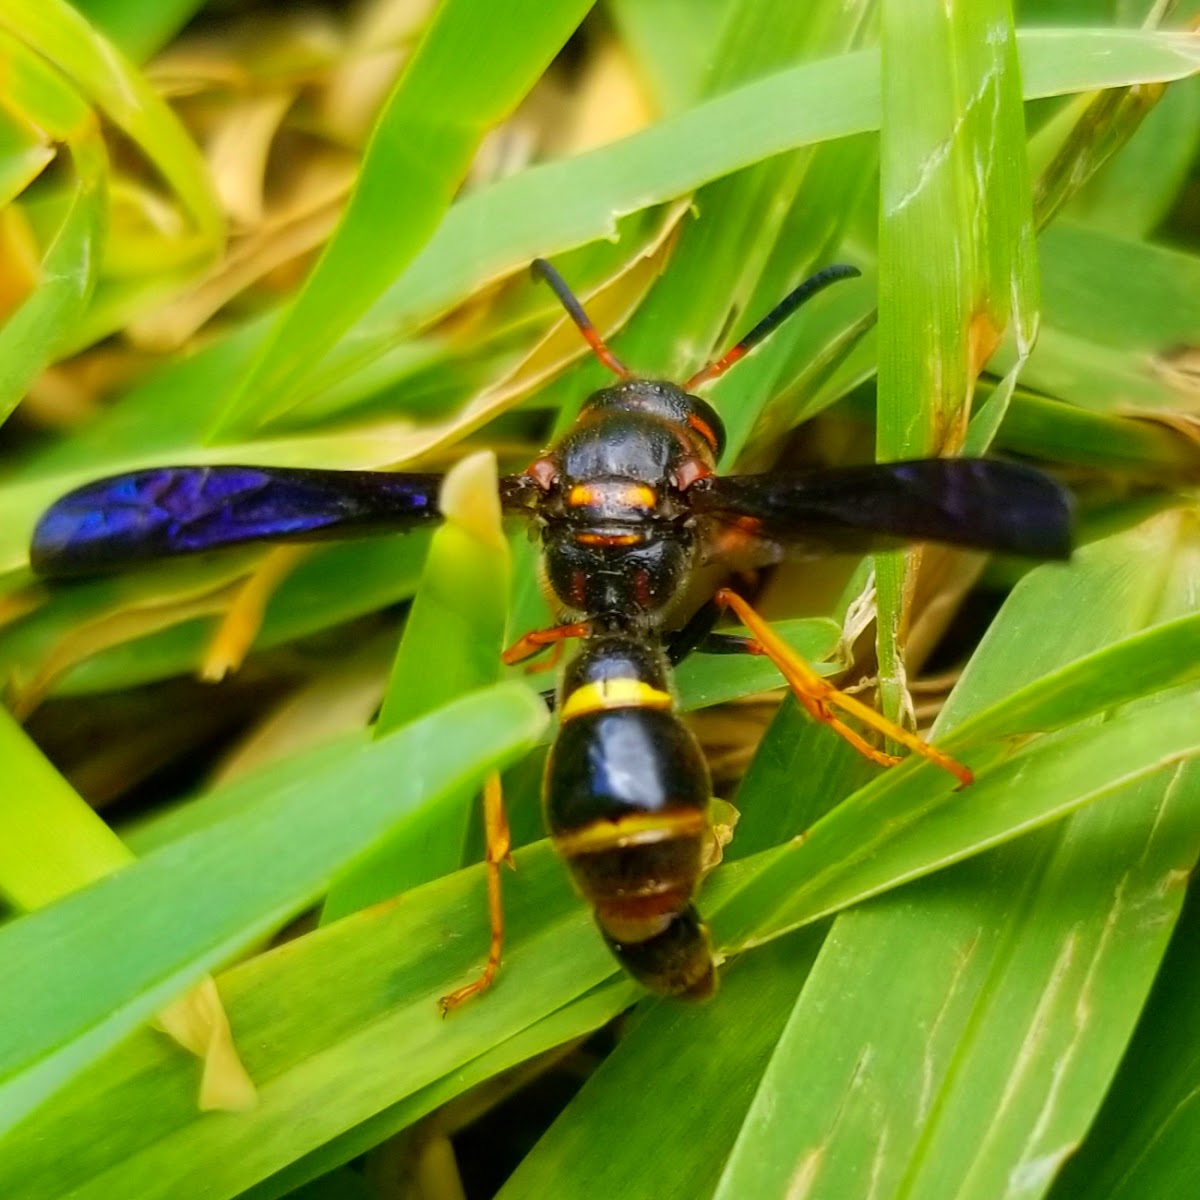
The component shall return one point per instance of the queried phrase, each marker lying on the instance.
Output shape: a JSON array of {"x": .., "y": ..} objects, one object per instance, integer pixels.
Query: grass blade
[
  {"x": 452, "y": 641},
  {"x": 57, "y": 32},
  {"x": 956, "y": 258},
  {"x": 255, "y": 876},
  {"x": 426, "y": 135},
  {"x": 991, "y": 959}
]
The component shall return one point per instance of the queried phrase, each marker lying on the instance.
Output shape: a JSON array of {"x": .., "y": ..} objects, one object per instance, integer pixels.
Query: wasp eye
[
  {"x": 543, "y": 472},
  {"x": 688, "y": 472}
]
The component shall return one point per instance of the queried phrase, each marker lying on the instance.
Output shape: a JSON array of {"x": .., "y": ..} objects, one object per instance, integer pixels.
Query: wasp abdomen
[{"x": 626, "y": 795}]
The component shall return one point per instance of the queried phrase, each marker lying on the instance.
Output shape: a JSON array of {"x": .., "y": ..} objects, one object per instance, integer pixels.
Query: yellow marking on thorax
[
  {"x": 639, "y": 495},
  {"x": 581, "y": 495},
  {"x": 613, "y": 693},
  {"x": 609, "y": 539},
  {"x": 635, "y": 495}
]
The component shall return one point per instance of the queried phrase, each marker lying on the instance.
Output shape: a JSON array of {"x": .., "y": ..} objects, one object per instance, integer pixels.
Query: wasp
[{"x": 629, "y": 507}]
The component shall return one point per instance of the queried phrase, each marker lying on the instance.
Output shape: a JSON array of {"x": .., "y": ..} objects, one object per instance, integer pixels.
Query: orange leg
[
  {"x": 498, "y": 845},
  {"x": 550, "y": 662},
  {"x": 820, "y": 698},
  {"x": 535, "y": 642}
]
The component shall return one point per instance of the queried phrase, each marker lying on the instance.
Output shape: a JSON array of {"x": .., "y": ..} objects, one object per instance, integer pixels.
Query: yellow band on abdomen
[
  {"x": 633, "y": 829},
  {"x": 613, "y": 693}
]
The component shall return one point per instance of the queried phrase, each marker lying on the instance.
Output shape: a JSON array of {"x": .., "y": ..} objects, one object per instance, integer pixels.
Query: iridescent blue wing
[
  {"x": 128, "y": 519},
  {"x": 983, "y": 503}
]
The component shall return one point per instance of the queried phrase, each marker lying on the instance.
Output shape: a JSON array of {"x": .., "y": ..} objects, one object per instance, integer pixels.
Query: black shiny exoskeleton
[
  {"x": 628, "y": 505},
  {"x": 626, "y": 796},
  {"x": 619, "y": 536}
]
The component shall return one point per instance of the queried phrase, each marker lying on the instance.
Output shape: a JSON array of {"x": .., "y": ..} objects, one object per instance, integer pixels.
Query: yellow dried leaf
[
  {"x": 243, "y": 619},
  {"x": 197, "y": 1021}
]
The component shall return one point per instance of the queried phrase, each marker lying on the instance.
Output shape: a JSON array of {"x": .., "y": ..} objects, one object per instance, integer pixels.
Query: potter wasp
[{"x": 629, "y": 506}]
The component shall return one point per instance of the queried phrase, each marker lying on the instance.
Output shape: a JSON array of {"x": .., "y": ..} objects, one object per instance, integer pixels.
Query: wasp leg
[
  {"x": 550, "y": 662},
  {"x": 697, "y": 637},
  {"x": 536, "y": 641},
  {"x": 729, "y": 643},
  {"x": 498, "y": 846},
  {"x": 820, "y": 698},
  {"x": 694, "y": 633}
]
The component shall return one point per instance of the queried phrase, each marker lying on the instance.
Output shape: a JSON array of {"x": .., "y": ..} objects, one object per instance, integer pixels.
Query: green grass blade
[
  {"x": 1149, "y": 661},
  {"x": 1138, "y": 189},
  {"x": 77, "y": 220},
  {"x": 1026, "y": 1085},
  {"x": 1023, "y": 970},
  {"x": 1001, "y": 1023},
  {"x": 326, "y": 1058},
  {"x": 1082, "y": 136},
  {"x": 453, "y": 637},
  {"x": 257, "y": 869},
  {"x": 567, "y": 204},
  {"x": 1142, "y": 1141},
  {"x": 672, "y": 44},
  {"x": 139, "y": 30},
  {"x": 1109, "y": 346},
  {"x": 852, "y": 846},
  {"x": 956, "y": 258},
  {"x": 745, "y": 212},
  {"x": 454, "y": 632},
  {"x": 33, "y": 335},
  {"x": 25, "y": 149},
  {"x": 419, "y": 152},
  {"x": 704, "y": 680},
  {"x": 57, "y": 32},
  {"x": 760, "y": 235},
  {"x": 956, "y": 229},
  {"x": 562, "y": 205},
  {"x": 1063, "y": 433},
  {"x": 51, "y": 842},
  {"x": 314, "y": 597},
  {"x": 558, "y": 1028},
  {"x": 657, "y": 1117},
  {"x": 846, "y": 858}
]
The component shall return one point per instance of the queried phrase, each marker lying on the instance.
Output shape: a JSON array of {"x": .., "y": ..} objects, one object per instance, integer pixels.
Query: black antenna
[
  {"x": 540, "y": 267},
  {"x": 780, "y": 313}
]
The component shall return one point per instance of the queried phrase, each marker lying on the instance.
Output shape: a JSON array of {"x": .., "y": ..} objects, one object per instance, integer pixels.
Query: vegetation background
[{"x": 247, "y": 232}]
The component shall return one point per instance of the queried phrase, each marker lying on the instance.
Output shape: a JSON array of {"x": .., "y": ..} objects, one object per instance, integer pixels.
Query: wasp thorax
[{"x": 667, "y": 402}]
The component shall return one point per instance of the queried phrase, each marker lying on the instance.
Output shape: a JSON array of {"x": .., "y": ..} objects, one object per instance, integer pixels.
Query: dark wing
[
  {"x": 128, "y": 519},
  {"x": 982, "y": 503}
]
